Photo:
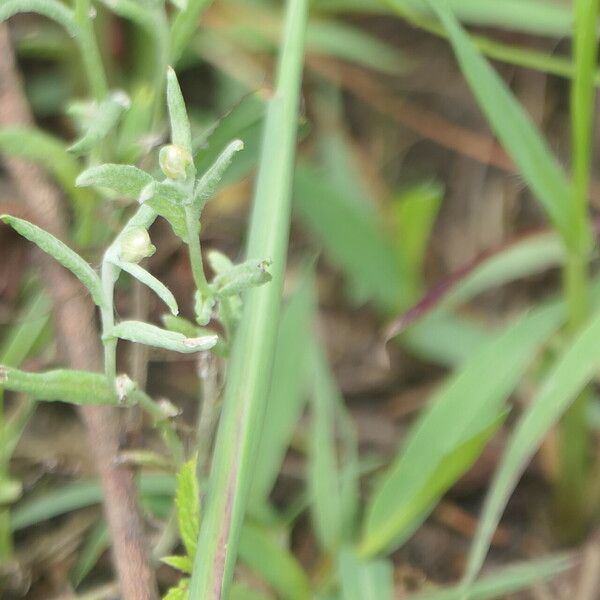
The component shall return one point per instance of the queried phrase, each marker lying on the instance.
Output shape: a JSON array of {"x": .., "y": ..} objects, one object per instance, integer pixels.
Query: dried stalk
[{"x": 75, "y": 326}]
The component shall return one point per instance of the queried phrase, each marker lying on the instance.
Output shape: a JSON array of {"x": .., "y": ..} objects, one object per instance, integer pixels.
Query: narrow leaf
[
  {"x": 123, "y": 179},
  {"x": 159, "y": 288},
  {"x": 503, "y": 582},
  {"x": 513, "y": 126},
  {"x": 181, "y": 563},
  {"x": 75, "y": 387},
  {"x": 144, "y": 333},
  {"x": 274, "y": 563},
  {"x": 470, "y": 407},
  {"x": 572, "y": 371},
  {"x": 61, "y": 253},
  {"x": 180, "y": 125},
  {"x": 207, "y": 184}
]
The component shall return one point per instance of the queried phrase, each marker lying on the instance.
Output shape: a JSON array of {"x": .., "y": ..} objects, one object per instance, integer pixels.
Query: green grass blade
[
  {"x": 364, "y": 580},
  {"x": 574, "y": 368},
  {"x": 583, "y": 96},
  {"x": 287, "y": 395},
  {"x": 514, "y": 128},
  {"x": 80, "y": 494},
  {"x": 61, "y": 253},
  {"x": 504, "y": 582},
  {"x": 184, "y": 26},
  {"x": 260, "y": 551},
  {"x": 252, "y": 356},
  {"x": 471, "y": 408}
]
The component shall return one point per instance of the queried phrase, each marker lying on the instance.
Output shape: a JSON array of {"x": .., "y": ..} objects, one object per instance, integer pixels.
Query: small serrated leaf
[
  {"x": 106, "y": 116},
  {"x": 180, "y": 125},
  {"x": 167, "y": 200},
  {"x": 151, "y": 335},
  {"x": 180, "y": 592},
  {"x": 181, "y": 563},
  {"x": 207, "y": 184},
  {"x": 61, "y": 253},
  {"x": 159, "y": 288},
  {"x": 187, "y": 501},
  {"x": 123, "y": 179}
]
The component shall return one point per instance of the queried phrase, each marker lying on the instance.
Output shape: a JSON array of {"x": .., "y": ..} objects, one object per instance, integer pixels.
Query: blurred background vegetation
[{"x": 405, "y": 207}]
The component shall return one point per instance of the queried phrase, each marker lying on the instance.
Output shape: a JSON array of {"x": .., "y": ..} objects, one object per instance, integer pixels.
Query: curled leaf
[
  {"x": 242, "y": 277},
  {"x": 56, "y": 11},
  {"x": 150, "y": 335}
]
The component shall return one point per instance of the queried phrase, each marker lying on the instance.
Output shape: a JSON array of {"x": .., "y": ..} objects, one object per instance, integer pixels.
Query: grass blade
[
  {"x": 471, "y": 408},
  {"x": 503, "y": 582},
  {"x": 365, "y": 580},
  {"x": 575, "y": 367},
  {"x": 514, "y": 128},
  {"x": 252, "y": 356}
]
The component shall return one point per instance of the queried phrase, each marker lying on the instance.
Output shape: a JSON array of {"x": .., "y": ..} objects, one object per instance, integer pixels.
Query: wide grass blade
[
  {"x": 253, "y": 352},
  {"x": 472, "y": 408},
  {"x": 572, "y": 371},
  {"x": 514, "y": 128},
  {"x": 364, "y": 580},
  {"x": 260, "y": 550}
]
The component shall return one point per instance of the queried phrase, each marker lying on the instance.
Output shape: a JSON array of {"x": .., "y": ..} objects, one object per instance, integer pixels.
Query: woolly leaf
[
  {"x": 144, "y": 333},
  {"x": 123, "y": 179},
  {"x": 167, "y": 200},
  {"x": 180, "y": 125},
  {"x": 61, "y": 253}
]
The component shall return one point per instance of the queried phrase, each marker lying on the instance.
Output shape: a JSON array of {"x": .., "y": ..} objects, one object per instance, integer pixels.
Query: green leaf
[
  {"x": 96, "y": 543},
  {"x": 52, "y": 9},
  {"x": 323, "y": 474},
  {"x": 339, "y": 222},
  {"x": 364, "y": 580},
  {"x": 106, "y": 116},
  {"x": 180, "y": 325},
  {"x": 207, "y": 184},
  {"x": 76, "y": 387},
  {"x": 341, "y": 40},
  {"x": 274, "y": 563},
  {"x": 80, "y": 494},
  {"x": 250, "y": 366},
  {"x": 61, "y": 253},
  {"x": 123, "y": 179},
  {"x": 573, "y": 369},
  {"x": 503, "y": 582},
  {"x": 514, "y": 128},
  {"x": 151, "y": 335},
  {"x": 180, "y": 592},
  {"x": 167, "y": 200},
  {"x": 152, "y": 282},
  {"x": 242, "y": 277},
  {"x": 51, "y": 152},
  {"x": 287, "y": 393},
  {"x": 187, "y": 501},
  {"x": 181, "y": 563},
  {"x": 180, "y": 126},
  {"x": 470, "y": 408}
]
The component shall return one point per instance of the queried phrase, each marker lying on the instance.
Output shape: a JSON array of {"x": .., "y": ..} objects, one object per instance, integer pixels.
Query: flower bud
[
  {"x": 136, "y": 245},
  {"x": 174, "y": 161}
]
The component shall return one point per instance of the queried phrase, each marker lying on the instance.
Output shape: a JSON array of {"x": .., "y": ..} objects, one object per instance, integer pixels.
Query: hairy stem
[{"x": 195, "y": 251}]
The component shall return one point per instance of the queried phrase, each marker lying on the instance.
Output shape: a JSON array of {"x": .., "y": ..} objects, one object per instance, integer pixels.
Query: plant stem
[
  {"x": 575, "y": 443},
  {"x": 195, "y": 251},
  {"x": 249, "y": 372},
  {"x": 92, "y": 60}
]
